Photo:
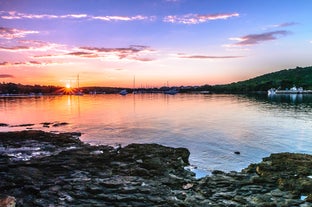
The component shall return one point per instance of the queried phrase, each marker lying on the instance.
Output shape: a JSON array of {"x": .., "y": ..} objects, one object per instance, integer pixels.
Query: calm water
[{"x": 212, "y": 127}]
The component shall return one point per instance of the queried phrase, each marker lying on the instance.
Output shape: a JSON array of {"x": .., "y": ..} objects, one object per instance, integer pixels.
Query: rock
[
  {"x": 23, "y": 125},
  {"x": 60, "y": 170},
  {"x": 289, "y": 171},
  {"x": 58, "y": 124},
  {"x": 7, "y": 201}
]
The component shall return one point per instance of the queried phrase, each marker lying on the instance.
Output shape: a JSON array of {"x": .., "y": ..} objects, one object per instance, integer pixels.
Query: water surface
[{"x": 212, "y": 127}]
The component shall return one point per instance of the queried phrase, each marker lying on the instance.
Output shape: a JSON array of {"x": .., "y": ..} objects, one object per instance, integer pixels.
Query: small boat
[
  {"x": 293, "y": 90},
  {"x": 79, "y": 93},
  {"x": 271, "y": 91},
  {"x": 171, "y": 91},
  {"x": 123, "y": 92}
]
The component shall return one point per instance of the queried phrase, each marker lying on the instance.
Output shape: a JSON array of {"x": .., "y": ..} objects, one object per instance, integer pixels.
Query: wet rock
[
  {"x": 23, "y": 125},
  {"x": 7, "y": 201},
  {"x": 58, "y": 124},
  {"x": 60, "y": 170},
  {"x": 289, "y": 171}
]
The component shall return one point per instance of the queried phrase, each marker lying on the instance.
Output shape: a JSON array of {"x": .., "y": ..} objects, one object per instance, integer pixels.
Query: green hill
[{"x": 300, "y": 77}]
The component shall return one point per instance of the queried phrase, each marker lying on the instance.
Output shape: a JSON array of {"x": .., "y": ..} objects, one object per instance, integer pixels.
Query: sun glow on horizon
[{"x": 67, "y": 86}]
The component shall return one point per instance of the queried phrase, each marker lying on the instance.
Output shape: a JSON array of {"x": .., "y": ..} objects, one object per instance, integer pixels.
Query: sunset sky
[{"x": 182, "y": 42}]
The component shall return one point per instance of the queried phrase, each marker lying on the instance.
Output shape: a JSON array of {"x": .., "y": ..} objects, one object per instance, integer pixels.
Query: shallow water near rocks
[{"x": 212, "y": 127}]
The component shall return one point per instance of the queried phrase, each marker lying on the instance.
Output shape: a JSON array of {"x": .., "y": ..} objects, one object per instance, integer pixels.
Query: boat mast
[{"x": 78, "y": 81}]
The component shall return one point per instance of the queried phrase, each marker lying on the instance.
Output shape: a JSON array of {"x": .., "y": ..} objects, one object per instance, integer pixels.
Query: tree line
[{"x": 284, "y": 79}]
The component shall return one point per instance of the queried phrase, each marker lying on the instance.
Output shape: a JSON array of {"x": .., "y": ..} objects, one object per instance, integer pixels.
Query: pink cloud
[
  {"x": 197, "y": 18},
  {"x": 143, "y": 59},
  {"x": 84, "y": 54},
  {"x": 14, "y": 48},
  {"x": 6, "y": 76},
  {"x": 27, "y": 63},
  {"x": 32, "y": 46},
  {"x": 12, "y": 33}
]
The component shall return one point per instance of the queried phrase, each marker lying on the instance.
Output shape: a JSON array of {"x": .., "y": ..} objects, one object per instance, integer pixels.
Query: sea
[{"x": 222, "y": 132}]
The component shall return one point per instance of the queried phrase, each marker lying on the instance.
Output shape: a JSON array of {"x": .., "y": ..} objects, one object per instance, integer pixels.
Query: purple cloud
[
  {"x": 14, "y": 48},
  {"x": 254, "y": 39},
  {"x": 132, "y": 52},
  {"x": 286, "y": 24},
  {"x": 84, "y": 54},
  {"x": 28, "y": 63},
  {"x": 6, "y": 76}
]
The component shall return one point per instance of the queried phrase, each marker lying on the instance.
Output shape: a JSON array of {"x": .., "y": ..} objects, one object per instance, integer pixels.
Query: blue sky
[{"x": 184, "y": 42}]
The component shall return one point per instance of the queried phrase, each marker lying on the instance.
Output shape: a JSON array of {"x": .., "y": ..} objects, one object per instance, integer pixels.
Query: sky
[{"x": 155, "y": 42}]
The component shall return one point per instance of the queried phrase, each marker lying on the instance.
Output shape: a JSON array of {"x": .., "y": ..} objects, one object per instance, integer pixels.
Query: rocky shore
[{"x": 45, "y": 169}]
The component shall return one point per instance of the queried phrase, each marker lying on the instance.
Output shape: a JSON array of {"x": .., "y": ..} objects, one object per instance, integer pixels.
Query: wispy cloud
[
  {"x": 133, "y": 52},
  {"x": 12, "y": 33},
  {"x": 181, "y": 19},
  {"x": 121, "y": 18},
  {"x": 14, "y": 48},
  {"x": 84, "y": 54},
  {"x": 19, "y": 45},
  {"x": 9, "y": 15},
  {"x": 6, "y": 76},
  {"x": 254, "y": 39},
  {"x": 27, "y": 63},
  {"x": 285, "y": 24},
  {"x": 197, "y": 18},
  {"x": 13, "y": 15},
  {"x": 209, "y": 57}
]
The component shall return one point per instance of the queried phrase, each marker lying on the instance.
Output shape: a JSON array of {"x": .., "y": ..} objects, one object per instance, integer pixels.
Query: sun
[{"x": 67, "y": 86}]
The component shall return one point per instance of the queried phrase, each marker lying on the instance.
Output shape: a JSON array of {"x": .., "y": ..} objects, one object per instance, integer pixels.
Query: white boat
[
  {"x": 123, "y": 92},
  {"x": 271, "y": 91},
  {"x": 171, "y": 91},
  {"x": 293, "y": 90}
]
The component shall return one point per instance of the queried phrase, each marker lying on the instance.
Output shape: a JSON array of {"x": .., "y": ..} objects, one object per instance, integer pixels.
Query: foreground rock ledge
[{"x": 45, "y": 169}]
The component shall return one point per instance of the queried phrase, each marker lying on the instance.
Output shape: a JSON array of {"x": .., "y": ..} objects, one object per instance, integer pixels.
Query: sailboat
[
  {"x": 78, "y": 91},
  {"x": 171, "y": 91},
  {"x": 134, "y": 91}
]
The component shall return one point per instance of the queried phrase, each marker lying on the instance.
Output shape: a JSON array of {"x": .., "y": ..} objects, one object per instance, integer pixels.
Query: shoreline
[{"x": 39, "y": 168}]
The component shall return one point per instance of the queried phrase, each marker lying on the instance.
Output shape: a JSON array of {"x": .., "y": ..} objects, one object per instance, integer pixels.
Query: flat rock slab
[{"x": 45, "y": 169}]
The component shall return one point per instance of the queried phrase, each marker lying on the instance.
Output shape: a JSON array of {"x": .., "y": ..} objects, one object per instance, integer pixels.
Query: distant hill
[{"x": 300, "y": 77}]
